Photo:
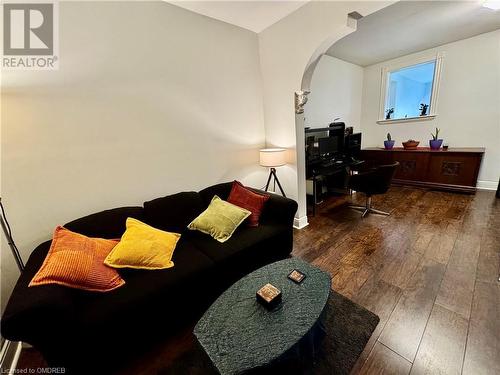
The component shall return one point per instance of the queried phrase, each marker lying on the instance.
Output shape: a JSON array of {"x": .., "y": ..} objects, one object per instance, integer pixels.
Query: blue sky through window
[{"x": 408, "y": 88}]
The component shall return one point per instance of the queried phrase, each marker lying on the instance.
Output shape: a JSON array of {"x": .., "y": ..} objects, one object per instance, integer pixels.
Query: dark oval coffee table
[{"x": 240, "y": 334}]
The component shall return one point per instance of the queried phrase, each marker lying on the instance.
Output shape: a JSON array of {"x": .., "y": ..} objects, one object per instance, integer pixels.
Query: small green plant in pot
[
  {"x": 435, "y": 143},
  {"x": 388, "y": 113},
  {"x": 389, "y": 143}
]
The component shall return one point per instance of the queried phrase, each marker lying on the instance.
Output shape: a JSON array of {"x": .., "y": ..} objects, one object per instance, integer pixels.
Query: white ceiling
[
  {"x": 251, "y": 15},
  {"x": 411, "y": 26}
]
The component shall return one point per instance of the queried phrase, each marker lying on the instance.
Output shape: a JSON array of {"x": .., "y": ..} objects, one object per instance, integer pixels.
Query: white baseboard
[
  {"x": 486, "y": 185},
  {"x": 300, "y": 222}
]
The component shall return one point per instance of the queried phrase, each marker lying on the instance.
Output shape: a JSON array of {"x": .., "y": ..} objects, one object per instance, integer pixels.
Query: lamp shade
[{"x": 272, "y": 157}]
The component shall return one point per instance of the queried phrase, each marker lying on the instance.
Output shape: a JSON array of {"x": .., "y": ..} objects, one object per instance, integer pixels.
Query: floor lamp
[{"x": 273, "y": 158}]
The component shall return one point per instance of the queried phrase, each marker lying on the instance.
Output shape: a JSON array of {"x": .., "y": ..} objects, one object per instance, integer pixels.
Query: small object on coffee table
[
  {"x": 296, "y": 276},
  {"x": 269, "y": 295}
]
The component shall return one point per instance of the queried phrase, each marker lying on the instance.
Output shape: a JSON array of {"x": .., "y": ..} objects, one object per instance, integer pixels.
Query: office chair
[{"x": 374, "y": 181}]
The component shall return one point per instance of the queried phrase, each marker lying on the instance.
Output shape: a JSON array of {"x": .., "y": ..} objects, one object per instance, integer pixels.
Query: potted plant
[
  {"x": 435, "y": 142},
  {"x": 389, "y": 143},
  {"x": 423, "y": 109},
  {"x": 388, "y": 113}
]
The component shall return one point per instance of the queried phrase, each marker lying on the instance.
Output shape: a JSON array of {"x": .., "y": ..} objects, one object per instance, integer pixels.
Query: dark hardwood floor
[{"x": 429, "y": 271}]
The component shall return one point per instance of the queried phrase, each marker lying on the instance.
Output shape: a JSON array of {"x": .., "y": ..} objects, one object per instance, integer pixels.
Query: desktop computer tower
[{"x": 352, "y": 146}]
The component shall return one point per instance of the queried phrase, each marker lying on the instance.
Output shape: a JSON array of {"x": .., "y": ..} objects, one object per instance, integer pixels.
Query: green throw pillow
[{"x": 220, "y": 219}]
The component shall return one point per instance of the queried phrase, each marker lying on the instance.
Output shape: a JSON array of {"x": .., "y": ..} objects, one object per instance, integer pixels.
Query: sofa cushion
[
  {"x": 105, "y": 224},
  {"x": 246, "y": 240},
  {"x": 174, "y": 212},
  {"x": 248, "y": 199},
  {"x": 76, "y": 261},
  {"x": 150, "y": 292},
  {"x": 221, "y": 190}
]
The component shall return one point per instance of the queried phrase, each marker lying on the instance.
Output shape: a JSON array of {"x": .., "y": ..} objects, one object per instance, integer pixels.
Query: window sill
[{"x": 408, "y": 119}]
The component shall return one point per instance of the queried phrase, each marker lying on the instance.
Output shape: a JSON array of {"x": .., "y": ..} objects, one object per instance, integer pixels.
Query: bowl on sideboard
[{"x": 410, "y": 144}]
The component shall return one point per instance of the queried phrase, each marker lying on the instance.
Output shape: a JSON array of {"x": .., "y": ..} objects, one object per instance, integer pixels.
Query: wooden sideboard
[{"x": 455, "y": 169}]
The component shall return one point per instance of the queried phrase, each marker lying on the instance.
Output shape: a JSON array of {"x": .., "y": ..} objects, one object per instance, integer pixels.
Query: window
[{"x": 409, "y": 91}]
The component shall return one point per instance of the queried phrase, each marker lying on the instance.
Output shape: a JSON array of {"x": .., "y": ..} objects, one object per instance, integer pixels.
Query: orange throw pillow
[
  {"x": 245, "y": 198},
  {"x": 76, "y": 261}
]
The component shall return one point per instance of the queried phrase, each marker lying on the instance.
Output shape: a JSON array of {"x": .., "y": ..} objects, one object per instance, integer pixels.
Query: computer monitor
[
  {"x": 312, "y": 144},
  {"x": 337, "y": 130},
  {"x": 328, "y": 145}
]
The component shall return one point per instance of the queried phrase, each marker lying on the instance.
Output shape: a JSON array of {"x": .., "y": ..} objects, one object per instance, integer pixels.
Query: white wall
[
  {"x": 150, "y": 99},
  {"x": 336, "y": 91},
  {"x": 468, "y": 108}
]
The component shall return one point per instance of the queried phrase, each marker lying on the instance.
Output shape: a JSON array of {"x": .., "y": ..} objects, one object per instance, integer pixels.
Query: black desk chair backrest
[
  {"x": 374, "y": 181},
  {"x": 382, "y": 177}
]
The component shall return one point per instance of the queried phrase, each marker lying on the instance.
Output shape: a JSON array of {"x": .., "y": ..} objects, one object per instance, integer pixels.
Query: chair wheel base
[{"x": 367, "y": 210}]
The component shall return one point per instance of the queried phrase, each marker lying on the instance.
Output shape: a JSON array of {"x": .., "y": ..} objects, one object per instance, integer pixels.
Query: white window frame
[{"x": 384, "y": 87}]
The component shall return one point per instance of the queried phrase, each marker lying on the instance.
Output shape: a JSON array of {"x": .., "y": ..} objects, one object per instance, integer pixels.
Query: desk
[
  {"x": 316, "y": 170},
  {"x": 455, "y": 169}
]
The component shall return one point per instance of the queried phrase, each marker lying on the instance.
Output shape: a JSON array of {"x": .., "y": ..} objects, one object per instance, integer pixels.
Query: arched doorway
[{"x": 300, "y": 100}]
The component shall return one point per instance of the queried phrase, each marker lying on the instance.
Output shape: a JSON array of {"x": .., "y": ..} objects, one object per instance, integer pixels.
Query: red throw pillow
[{"x": 248, "y": 199}]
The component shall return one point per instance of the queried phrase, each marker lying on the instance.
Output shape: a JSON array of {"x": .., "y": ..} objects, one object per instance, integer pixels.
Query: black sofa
[{"x": 95, "y": 332}]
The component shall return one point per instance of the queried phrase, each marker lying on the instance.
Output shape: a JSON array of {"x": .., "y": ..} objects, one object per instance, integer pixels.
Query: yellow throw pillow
[
  {"x": 220, "y": 219},
  {"x": 144, "y": 247}
]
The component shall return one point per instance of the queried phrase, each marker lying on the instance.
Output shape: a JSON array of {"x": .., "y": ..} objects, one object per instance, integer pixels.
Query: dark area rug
[{"x": 348, "y": 328}]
